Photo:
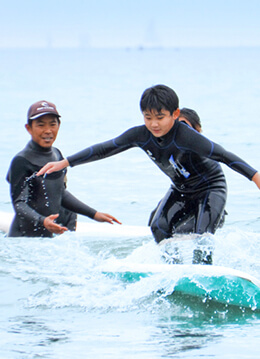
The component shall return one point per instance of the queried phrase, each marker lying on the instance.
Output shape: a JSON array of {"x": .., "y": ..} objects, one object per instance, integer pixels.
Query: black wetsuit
[
  {"x": 196, "y": 200},
  {"x": 35, "y": 198}
]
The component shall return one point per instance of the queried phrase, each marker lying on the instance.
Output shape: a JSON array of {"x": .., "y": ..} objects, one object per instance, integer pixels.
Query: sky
[{"x": 129, "y": 23}]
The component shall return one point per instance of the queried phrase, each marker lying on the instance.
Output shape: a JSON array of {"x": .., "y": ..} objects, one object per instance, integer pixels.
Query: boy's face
[
  {"x": 160, "y": 123},
  {"x": 44, "y": 130}
]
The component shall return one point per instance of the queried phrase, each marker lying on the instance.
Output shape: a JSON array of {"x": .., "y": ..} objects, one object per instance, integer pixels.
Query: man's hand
[
  {"x": 53, "y": 227},
  {"x": 104, "y": 217}
]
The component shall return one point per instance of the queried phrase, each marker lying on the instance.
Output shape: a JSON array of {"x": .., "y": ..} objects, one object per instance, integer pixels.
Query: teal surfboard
[{"x": 208, "y": 282}]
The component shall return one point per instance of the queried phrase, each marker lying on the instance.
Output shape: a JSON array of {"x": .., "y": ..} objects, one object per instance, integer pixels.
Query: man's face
[
  {"x": 44, "y": 130},
  {"x": 159, "y": 123}
]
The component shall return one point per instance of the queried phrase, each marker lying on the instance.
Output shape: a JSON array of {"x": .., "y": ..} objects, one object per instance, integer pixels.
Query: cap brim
[{"x": 42, "y": 114}]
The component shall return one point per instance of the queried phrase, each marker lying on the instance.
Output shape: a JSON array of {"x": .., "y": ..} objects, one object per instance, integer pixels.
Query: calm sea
[{"x": 54, "y": 302}]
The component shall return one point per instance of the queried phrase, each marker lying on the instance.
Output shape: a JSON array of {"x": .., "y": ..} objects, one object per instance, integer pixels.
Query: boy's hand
[
  {"x": 53, "y": 167},
  {"x": 104, "y": 217},
  {"x": 256, "y": 179},
  {"x": 53, "y": 227}
]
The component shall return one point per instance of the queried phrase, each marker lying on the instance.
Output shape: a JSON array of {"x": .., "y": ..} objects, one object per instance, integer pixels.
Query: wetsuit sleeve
[
  {"x": 190, "y": 139},
  {"x": 75, "y": 205},
  {"x": 105, "y": 149},
  {"x": 18, "y": 173}
]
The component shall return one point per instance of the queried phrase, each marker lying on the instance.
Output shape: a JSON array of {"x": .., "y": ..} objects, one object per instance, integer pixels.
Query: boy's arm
[
  {"x": 126, "y": 140},
  {"x": 93, "y": 153},
  {"x": 205, "y": 147}
]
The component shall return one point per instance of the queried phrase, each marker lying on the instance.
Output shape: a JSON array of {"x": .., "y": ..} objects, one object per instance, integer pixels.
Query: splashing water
[{"x": 67, "y": 269}]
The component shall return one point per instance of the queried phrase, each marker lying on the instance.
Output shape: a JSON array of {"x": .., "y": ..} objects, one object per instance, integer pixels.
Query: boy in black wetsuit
[
  {"x": 192, "y": 119},
  {"x": 43, "y": 206},
  {"x": 198, "y": 191}
]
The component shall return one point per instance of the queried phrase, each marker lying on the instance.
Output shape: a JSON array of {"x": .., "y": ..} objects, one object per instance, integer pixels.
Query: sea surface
[{"x": 55, "y": 303}]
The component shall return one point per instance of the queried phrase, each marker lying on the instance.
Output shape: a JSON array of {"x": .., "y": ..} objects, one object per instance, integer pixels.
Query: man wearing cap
[{"x": 43, "y": 206}]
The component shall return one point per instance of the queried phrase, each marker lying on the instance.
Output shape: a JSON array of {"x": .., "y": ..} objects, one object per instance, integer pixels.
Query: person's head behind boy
[
  {"x": 43, "y": 122},
  {"x": 191, "y": 118},
  {"x": 160, "y": 107}
]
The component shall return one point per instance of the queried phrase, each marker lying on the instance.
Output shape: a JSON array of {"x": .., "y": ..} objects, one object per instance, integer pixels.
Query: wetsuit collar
[
  {"x": 34, "y": 146},
  {"x": 38, "y": 155}
]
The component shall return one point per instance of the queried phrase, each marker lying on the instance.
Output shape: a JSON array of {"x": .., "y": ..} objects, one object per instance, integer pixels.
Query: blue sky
[{"x": 129, "y": 23}]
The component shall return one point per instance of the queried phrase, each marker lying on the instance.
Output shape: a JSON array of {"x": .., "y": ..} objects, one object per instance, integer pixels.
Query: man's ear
[{"x": 28, "y": 128}]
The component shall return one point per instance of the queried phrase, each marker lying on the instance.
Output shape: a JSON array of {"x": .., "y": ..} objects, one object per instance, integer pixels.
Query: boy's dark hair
[
  {"x": 159, "y": 97},
  {"x": 191, "y": 116}
]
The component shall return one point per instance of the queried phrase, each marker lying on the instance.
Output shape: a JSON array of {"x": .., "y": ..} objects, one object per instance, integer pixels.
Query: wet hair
[
  {"x": 159, "y": 97},
  {"x": 192, "y": 117}
]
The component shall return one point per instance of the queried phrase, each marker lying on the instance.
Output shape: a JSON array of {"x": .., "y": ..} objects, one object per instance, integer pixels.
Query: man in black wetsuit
[
  {"x": 43, "y": 206},
  {"x": 198, "y": 191}
]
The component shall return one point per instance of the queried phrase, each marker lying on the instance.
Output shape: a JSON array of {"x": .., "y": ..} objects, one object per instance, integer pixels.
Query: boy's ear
[{"x": 176, "y": 113}]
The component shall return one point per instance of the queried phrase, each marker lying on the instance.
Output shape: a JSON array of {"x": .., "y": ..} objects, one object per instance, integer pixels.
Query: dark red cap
[{"x": 41, "y": 108}]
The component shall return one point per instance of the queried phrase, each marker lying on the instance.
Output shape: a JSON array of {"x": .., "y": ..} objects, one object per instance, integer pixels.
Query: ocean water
[{"x": 55, "y": 302}]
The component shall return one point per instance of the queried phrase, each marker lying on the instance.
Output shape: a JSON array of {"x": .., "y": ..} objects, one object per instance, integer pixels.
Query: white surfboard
[
  {"x": 5, "y": 221},
  {"x": 92, "y": 228}
]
